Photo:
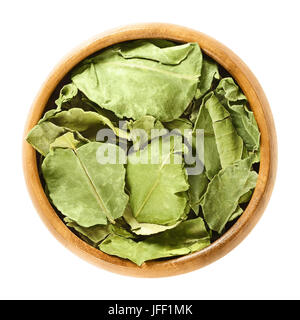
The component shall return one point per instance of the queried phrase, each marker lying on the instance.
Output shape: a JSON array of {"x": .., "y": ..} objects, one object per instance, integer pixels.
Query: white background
[{"x": 35, "y": 35}]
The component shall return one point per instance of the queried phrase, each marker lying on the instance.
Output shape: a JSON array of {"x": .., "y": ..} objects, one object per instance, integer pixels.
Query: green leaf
[
  {"x": 194, "y": 110},
  {"x": 42, "y": 135},
  {"x": 198, "y": 186},
  {"x": 187, "y": 237},
  {"x": 179, "y": 124},
  {"x": 229, "y": 90},
  {"x": 88, "y": 123},
  {"x": 243, "y": 119},
  {"x": 121, "y": 231},
  {"x": 246, "y": 197},
  {"x": 246, "y": 126},
  {"x": 70, "y": 97},
  {"x": 140, "y": 130},
  {"x": 81, "y": 188},
  {"x": 85, "y": 124},
  {"x": 209, "y": 71},
  {"x": 137, "y": 79},
  {"x": 67, "y": 93},
  {"x": 167, "y": 54},
  {"x": 95, "y": 233},
  {"x": 99, "y": 232},
  {"x": 229, "y": 143},
  {"x": 224, "y": 191},
  {"x": 141, "y": 228},
  {"x": 153, "y": 198},
  {"x": 211, "y": 156},
  {"x": 238, "y": 211},
  {"x": 67, "y": 140}
]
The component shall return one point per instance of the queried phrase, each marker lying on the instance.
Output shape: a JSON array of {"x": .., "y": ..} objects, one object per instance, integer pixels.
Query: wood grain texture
[{"x": 268, "y": 165}]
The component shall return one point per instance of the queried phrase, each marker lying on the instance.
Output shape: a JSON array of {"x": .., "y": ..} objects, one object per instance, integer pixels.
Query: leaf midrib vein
[
  {"x": 91, "y": 183},
  {"x": 137, "y": 66},
  {"x": 154, "y": 185}
]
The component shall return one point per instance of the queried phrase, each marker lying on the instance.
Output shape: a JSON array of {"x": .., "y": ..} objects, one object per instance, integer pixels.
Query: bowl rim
[{"x": 268, "y": 165}]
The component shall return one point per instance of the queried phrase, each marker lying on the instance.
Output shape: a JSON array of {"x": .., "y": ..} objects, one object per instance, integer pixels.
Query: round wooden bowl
[{"x": 267, "y": 171}]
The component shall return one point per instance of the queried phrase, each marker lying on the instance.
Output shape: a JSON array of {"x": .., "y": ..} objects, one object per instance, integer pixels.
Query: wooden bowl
[{"x": 267, "y": 171}]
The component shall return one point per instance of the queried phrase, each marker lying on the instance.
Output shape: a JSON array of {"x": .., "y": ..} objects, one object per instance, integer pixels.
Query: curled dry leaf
[
  {"x": 118, "y": 79},
  {"x": 187, "y": 237},
  {"x": 153, "y": 198},
  {"x": 81, "y": 188},
  {"x": 224, "y": 191}
]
